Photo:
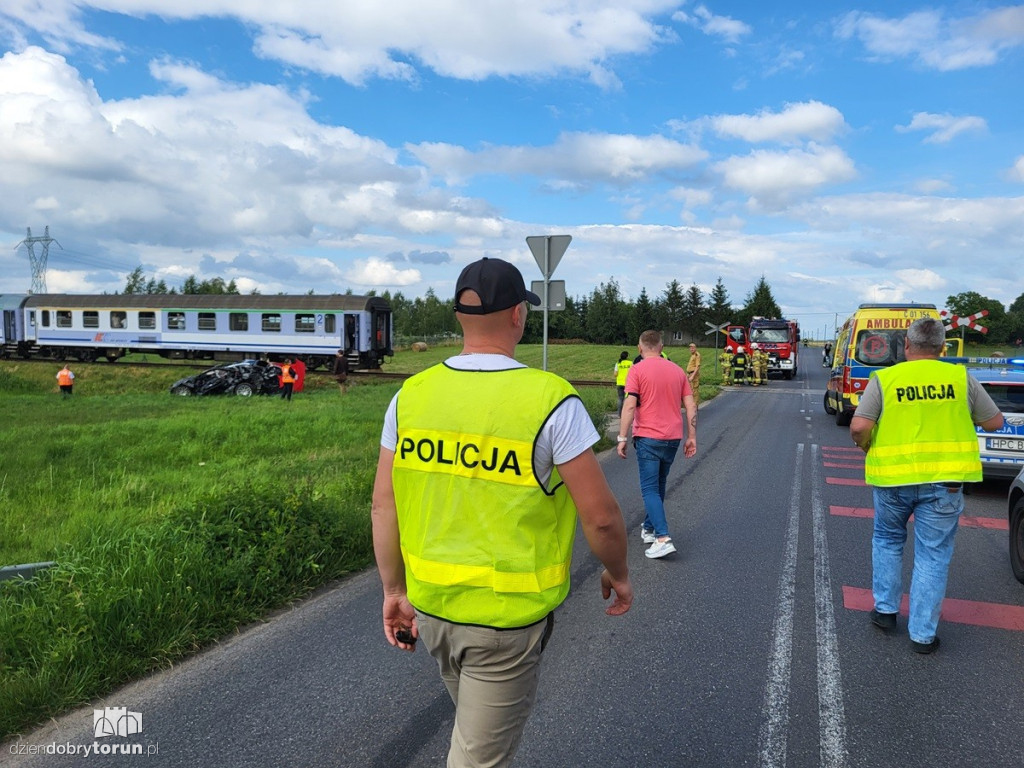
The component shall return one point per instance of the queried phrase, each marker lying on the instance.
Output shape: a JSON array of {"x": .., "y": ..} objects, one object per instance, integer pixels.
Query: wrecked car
[{"x": 247, "y": 378}]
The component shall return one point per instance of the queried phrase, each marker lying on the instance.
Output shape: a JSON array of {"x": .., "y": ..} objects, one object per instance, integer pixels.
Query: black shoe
[
  {"x": 884, "y": 621},
  {"x": 925, "y": 647}
]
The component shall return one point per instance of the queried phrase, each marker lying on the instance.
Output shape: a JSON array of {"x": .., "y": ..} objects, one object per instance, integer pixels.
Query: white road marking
[
  {"x": 772, "y": 737},
  {"x": 831, "y": 713}
]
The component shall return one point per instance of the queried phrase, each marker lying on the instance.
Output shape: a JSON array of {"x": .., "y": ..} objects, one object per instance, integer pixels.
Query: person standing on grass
[
  {"x": 656, "y": 390},
  {"x": 287, "y": 380},
  {"x": 341, "y": 370},
  {"x": 693, "y": 372},
  {"x": 484, "y": 465},
  {"x": 621, "y": 369},
  {"x": 915, "y": 421},
  {"x": 66, "y": 381}
]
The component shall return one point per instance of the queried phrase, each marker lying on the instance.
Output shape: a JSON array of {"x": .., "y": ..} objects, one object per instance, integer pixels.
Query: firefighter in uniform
[
  {"x": 739, "y": 366},
  {"x": 755, "y": 364},
  {"x": 725, "y": 363}
]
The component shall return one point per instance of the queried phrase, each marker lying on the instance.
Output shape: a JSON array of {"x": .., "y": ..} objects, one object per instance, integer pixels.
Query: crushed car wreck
[{"x": 249, "y": 377}]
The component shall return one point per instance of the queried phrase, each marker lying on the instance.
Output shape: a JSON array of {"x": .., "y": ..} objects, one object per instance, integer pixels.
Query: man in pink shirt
[{"x": 656, "y": 390}]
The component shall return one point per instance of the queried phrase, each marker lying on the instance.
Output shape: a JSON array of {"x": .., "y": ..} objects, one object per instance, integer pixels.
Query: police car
[
  {"x": 1015, "y": 513},
  {"x": 1002, "y": 452}
]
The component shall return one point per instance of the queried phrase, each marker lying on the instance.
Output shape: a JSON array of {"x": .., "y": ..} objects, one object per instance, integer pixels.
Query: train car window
[
  {"x": 118, "y": 319},
  {"x": 147, "y": 321},
  {"x": 46, "y": 318},
  {"x": 90, "y": 319},
  {"x": 271, "y": 322},
  {"x": 329, "y": 323},
  {"x": 207, "y": 321},
  {"x": 238, "y": 321},
  {"x": 305, "y": 323},
  {"x": 175, "y": 321},
  {"x": 63, "y": 318}
]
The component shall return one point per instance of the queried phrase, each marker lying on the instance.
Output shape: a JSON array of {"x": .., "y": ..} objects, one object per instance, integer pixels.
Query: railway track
[{"x": 198, "y": 365}]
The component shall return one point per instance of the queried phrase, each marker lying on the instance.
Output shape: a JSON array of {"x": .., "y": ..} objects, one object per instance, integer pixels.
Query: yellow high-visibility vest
[
  {"x": 925, "y": 433},
  {"x": 622, "y": 372},
  {"x": 483, "y": 540}
]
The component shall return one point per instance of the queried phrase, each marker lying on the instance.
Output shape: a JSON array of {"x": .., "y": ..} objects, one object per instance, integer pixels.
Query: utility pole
[{"x": 38, "y": 263}]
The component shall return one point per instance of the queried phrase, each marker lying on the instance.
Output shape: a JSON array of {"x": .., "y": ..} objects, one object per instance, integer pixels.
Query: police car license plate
[{"x": 1004, "y": 443}]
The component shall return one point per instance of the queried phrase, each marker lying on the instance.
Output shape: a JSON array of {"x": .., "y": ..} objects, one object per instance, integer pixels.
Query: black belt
[{"x": 952, "y": 486}]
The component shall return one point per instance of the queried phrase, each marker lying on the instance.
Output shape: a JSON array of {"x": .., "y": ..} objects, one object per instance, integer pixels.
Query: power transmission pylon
[{"x": 38, "y": 264}]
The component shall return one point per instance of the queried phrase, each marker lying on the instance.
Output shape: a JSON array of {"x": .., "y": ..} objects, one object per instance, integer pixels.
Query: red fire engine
[{"x": 780, "y": 338}]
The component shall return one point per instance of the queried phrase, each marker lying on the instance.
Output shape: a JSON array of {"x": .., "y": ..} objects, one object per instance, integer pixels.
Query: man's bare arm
[{"x": 602, "y": 524}]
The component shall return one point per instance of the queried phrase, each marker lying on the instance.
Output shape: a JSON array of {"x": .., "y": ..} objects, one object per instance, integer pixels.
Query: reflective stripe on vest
[
  {"x": 623, "y": 371},
  {"x": 484, "y": 542},
  {"x": 925, "y": 433}
]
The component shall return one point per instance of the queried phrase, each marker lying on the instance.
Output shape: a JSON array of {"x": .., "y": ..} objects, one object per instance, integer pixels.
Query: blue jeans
[
  {"x": 654, "y": 459},
  {"x": 936, "y": 510}
]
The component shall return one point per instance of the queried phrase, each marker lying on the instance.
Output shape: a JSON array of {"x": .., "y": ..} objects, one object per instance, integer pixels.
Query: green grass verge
[{"x": 173, "y": 520}]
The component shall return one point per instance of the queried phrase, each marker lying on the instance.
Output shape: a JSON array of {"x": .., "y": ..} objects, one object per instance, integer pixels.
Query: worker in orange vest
[
  {"x": 287, "y": 380},
  {"x": 65, "y": 380}
]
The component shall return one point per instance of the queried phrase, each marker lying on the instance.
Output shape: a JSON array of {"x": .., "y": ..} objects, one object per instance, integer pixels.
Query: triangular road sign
[{"x": 556, "y": 249}]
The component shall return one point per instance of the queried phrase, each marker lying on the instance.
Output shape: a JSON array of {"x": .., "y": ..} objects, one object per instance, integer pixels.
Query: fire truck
[{"x": 780, "y": 338}]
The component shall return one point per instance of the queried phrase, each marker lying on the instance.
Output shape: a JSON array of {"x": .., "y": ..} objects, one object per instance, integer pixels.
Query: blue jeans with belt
[
  {"x": 654, "y": 459},
  {"x": 936, "y": 508}
]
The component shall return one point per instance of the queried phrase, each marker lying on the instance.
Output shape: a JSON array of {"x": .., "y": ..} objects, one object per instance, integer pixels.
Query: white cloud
[
  {"x": 933, "y": 186},
  {"x": 773, "y": 178},
  {"x": 808, "y": 120},
  {"x": 935, "y": 40},
  {"x": 574, "y": 157},
  {"x": 355, "y": 41},
  {"x": 944, "y": 128},
  {"x": 728, "y": 29},
  {"x": 1016, "y": 173},
  {"x": 377, "y": 272}
]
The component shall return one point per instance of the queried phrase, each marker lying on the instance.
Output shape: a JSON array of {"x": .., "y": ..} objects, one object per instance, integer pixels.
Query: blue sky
[{"x": 847, "y": 152}]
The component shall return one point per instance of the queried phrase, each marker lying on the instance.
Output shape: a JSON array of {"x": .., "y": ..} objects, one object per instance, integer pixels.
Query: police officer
[
  {"x": 915, "y": 421},
  {"x": 621, "y": 370},
  {"x": 473, "y": 525}
]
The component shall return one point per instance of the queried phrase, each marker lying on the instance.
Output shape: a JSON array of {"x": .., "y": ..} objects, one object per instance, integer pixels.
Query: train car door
[
  {"x": 350, "y": 336},
  {"x": 8, "y": 327}
]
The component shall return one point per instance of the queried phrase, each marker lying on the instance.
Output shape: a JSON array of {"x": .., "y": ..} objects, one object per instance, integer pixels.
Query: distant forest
[{"x": 606, "y": 317}]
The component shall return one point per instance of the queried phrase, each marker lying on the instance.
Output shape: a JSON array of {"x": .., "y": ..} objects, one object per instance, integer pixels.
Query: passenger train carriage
[{"x": 201, "y": 327}]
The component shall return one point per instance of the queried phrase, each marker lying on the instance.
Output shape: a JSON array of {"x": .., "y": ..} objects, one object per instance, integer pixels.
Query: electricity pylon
[{"x": 38, "y": 263}]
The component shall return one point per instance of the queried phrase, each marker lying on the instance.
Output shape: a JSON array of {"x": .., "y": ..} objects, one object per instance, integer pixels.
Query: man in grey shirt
[{"x": 915, "y": 422}]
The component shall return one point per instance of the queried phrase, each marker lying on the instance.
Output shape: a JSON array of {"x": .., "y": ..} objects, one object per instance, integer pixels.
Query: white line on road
[
  {"x": 772, "y": 738},
  {"x": 831, "y": 714}
]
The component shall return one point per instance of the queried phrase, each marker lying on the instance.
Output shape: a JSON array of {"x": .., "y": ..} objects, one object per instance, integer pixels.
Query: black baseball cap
[{"x": 498, "y": 284}]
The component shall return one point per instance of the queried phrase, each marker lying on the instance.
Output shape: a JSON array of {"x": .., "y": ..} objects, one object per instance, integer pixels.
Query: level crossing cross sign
[{"x": 952, "y": 321}]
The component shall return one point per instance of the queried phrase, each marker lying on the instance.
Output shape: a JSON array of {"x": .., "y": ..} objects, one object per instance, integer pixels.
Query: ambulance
[{"x": 870, "y": 339}]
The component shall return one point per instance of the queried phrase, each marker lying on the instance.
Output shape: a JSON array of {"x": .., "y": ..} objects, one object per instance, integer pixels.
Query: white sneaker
[
  {"x": 647, "y": 535},
  {"x": 660, "y": 549}
]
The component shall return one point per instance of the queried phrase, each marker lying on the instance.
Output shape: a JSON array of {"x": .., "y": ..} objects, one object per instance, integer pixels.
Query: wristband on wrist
[{"x": 622, "y": 439}]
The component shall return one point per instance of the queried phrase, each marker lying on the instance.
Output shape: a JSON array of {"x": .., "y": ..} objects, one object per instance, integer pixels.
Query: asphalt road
[{"x": 749, "y": 647}]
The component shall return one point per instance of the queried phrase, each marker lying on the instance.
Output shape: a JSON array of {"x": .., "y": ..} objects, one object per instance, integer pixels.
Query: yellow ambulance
[{"x": 871, "y": 338}]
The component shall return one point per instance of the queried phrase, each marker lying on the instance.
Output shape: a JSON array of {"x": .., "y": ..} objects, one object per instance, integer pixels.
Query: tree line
[{"x": 605, "y": 316}]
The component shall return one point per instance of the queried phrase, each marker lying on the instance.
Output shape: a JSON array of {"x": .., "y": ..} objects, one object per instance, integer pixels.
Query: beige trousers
[{"x": 492, "y": 676}]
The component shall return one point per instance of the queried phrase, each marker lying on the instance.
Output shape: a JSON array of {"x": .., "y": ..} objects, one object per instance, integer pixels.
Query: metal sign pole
[{"x": 547, "y": 280}]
